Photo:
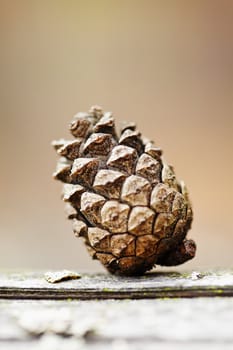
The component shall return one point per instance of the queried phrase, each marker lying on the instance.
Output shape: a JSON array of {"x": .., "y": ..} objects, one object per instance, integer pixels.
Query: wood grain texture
[
  {"x": 117, "y": 324},
  {"x": 160, "y": 320},
  {"x": 33, "y": 285}
]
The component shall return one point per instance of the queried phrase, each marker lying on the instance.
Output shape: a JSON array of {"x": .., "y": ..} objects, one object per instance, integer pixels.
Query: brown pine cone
[{"x": 123, "y": 199}]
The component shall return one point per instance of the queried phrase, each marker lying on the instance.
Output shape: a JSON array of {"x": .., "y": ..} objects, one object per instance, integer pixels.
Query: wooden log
[{"x": 32, "y": 285}]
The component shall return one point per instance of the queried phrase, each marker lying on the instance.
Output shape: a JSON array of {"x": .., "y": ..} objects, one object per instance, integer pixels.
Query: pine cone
[{"x": 123, "y": 199}]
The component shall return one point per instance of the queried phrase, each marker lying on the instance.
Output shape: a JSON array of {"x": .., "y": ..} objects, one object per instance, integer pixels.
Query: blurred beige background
[{"x": 168, "y": 65}]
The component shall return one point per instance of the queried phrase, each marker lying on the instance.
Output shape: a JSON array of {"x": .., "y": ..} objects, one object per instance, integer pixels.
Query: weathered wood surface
[
  {"x": 117, "y": 324},
  {"x": 104, "y": 286},
  {"x": 160, "y": 320}
]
